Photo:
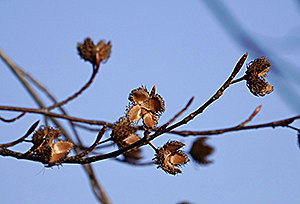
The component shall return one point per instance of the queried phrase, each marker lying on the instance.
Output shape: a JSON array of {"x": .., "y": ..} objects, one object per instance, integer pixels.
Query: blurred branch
[
  {"x": 281, "y": 70},
  {"x": 51, "y": 97},
  {"x": 45, "y": 112},
  {"x": 13, "y": 119},
  {"x": 5, "y": 152}
]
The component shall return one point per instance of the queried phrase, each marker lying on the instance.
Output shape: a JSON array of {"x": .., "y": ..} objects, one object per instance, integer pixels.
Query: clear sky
[{"x": 184, "y": 49}]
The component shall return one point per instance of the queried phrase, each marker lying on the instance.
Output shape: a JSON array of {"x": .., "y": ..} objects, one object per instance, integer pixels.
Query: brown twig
[
  {"x": 251, "y": 116},
  {"x": 144, "y": 140},
  {"x": 31, "y": 129},
  {"x": 180, "y": 112},
  {"x": 176, "y": 116},
  {"x": 13, "y": 119},
  {"x": 55, "y": 115},
  {"x": 283, "y": 123},
  {"x": 87, "y": 128},
  {"x": 297, "y": 129},
  {"x": 6, "y": 152},
  {"x": 95, "y": 71},
  {"x": 238, "y": 80},
  {"x": 87, "y": 151}
]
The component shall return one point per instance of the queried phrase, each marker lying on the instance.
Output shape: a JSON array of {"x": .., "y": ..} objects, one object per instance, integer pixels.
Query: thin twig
[
  {"x": 238, "y": 80},
  {"x": 176, "y": 116},
  {"x": 283, "y": 123},
  {"x": 251, "y": 116},
  {"x": 297, "y": 129},
  {"x": 95, "y": 71},
  {"x": 12, "y": 119},
  {"x": 31, "y": 129},
  {"x": 87, "y": 128},
  {"x": 180, "y": 112},
  {"x": 55, "y": 115},
  {"x": 87, "y": 151}
]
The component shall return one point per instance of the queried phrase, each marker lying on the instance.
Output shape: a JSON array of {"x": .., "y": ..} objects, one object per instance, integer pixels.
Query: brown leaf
[{"x": 200, "y": 151}]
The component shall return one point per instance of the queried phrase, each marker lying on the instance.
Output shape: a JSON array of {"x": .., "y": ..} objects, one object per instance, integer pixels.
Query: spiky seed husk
[
  {"x": 169, "y": 157},
  {"x": 255, "y": 77}
]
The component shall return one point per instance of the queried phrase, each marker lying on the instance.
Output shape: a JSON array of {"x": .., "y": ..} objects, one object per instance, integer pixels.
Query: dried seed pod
[
  {"x": 102, "y": 52},
  {"x": 87, "y": 50},
  {"x": 123, "y": 133},
  {"x": 149, "y": 119},
  {"x": 169, "y": 157},
  {"x": 139, "y": 95},
  {"x": 44, "y": 135},
  {"x": 255, "y": 76},
  {"x": 94, "y": 54},
  {"x": 146, "y": 106},
  {"x": 43, "y": 145}
]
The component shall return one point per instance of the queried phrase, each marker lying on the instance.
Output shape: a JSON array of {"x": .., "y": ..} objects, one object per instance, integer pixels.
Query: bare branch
[{"x": 279, "y": 123}]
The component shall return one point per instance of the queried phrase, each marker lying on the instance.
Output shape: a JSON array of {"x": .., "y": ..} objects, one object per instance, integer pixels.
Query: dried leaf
[{"x": 200, "y": 151}]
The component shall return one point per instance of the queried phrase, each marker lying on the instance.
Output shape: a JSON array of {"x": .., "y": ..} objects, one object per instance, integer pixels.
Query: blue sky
[{"x": 182, "y": 49}]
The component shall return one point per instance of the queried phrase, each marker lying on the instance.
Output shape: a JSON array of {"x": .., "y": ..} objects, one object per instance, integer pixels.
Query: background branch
[{"x": 20, "y": 76}]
